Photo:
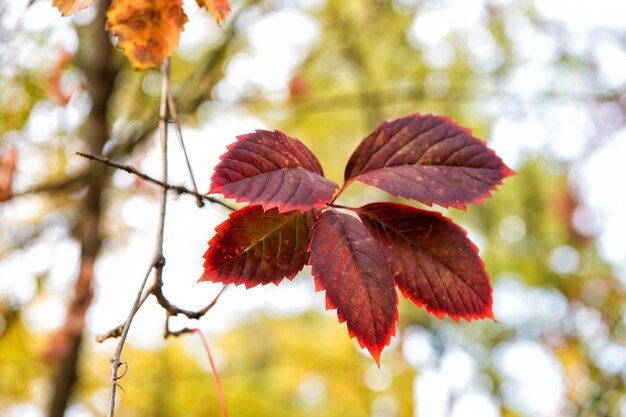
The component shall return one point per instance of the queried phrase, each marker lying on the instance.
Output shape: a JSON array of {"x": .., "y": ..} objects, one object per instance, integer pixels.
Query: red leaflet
[
  {"x": 272, "y": 169},
  {"x": 353, "y": 269},
  {"x": 434, "y": 263},
  {"x": 429, "y": 159},
  {"x": 255, "y": 247}
]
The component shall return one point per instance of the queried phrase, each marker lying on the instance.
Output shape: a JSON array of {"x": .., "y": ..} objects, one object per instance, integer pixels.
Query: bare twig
[
  {"x": 158, "y": 260},
  {"x": 174, "y": 310},
  {"x": 178, "y": 189},
  {"x": 117, "y": 331},
  {"x": 171, "y": 309},
  {"x": 115, "y": 360},
  {"x": 179, "y": 135},
  {"x": 111, "y": 334},
  {"x": 52, "y": 187},
  {"x": 176, "y": 333}
]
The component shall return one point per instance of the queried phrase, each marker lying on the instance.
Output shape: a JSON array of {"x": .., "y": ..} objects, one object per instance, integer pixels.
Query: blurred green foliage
[{"x": 365, "y": 68}]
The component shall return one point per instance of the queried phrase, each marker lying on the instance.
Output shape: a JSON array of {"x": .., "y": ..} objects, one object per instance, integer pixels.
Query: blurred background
[{"x": 543, "y": 81}]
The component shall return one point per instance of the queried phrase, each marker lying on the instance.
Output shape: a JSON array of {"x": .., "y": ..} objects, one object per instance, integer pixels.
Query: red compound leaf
[
  {"x": 429, "y": 159},
  {"x": 272, "y": 169},
  {"x": 434, "y": 264},
  {"x": 354, "y": 270},
  {"x": 257, "y": 247}
]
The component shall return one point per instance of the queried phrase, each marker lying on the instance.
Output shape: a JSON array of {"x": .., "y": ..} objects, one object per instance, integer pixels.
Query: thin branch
[
  {"x": 174, "y": 310},
  {"x": 52, "y": 187},
  {"x": 158, "y": 261},
  {"x": 171, "y": 309},
  {"x": 396, "y": 96},
  {"x": 179, "y": 135},
  {"x": 176, "y": 333},
  {"x": 111, "y": 334},
  {"x": 117, "y": 331},
  {"x": 115, "y": 360},
  {"x": 178, "y": 189}
]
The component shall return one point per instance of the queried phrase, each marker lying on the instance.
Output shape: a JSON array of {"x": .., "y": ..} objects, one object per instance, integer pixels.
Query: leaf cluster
[{"x": 359, "y": 259}]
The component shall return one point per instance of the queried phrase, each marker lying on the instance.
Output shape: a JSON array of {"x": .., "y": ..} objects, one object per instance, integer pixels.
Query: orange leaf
[
  {"x": 147, "y": 30},
  {"x": 8, "y": 163},
  {"x": 218, "y": 8},
  {"x": 54, "y": 79},
  {"x": 67, "y": 7}
]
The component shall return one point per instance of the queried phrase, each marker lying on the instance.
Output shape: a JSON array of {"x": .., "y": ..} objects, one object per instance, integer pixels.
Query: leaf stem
[
  {"x": 216, "y": 377},
  {"x": 334, "y": 205}
]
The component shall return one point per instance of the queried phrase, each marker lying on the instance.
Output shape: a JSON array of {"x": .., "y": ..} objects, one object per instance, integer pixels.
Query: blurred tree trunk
[{"x": 95, "y": 61}]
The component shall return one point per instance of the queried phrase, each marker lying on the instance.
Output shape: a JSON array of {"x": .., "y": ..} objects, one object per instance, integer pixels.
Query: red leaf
[
  {"x": 429, "y": 159},
  {"x": 272, "y": 169},
  {"x": 255, "y": 247},
  {"x": 435, "y": 265},
  {"x": 54, "y": 86},
  {"x": 353, "y": 269}
]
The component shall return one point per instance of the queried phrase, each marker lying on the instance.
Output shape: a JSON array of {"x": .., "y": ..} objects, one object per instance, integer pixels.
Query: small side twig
[
  {"x": 179, "y": 134},
  {"x": 171, "y": 309},
  {"x": 117, "y": 331},
  {"x": 123, "y": 334},
  {"x": 174, "y": 333},
  {"x": 111, "y": 334},
  {"x": 178, "y": 189},
  {"x": 174, "y": 310}
]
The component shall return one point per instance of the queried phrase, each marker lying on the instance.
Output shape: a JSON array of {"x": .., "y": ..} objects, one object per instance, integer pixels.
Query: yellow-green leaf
[{"x": 147, "y": 30}]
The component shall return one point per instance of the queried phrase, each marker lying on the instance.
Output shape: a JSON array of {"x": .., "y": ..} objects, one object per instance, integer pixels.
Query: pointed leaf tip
[
  {"x": 354, "y": 270},
  {"x": 429, "y": 159},
  {"x": 273, "y": 170},
  {"x": 434, "y": 264}
]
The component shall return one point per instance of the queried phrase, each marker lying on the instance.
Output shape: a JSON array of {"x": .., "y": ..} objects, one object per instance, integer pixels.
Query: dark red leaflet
[
  {"x": 429, "y": 159},
  {"x": 434, "y": 264},
  {"x": 255, "y": 247},
  {"x": 272, "y": 169},
  {"x": 353, "y": 269}
]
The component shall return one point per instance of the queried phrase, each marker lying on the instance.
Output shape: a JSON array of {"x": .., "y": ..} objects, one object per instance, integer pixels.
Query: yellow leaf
[
  {"x": 67, "y": 7},
  {"x": 147, "y": 30},
  {"x": 218, "y": 8}
]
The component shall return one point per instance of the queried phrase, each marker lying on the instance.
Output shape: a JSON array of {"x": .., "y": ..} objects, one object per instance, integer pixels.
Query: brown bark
[{"x": 64, "y": 347}]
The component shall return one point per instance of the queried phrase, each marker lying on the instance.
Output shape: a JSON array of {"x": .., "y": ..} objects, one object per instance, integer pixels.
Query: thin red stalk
[{"x": 216, "y": 377}]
